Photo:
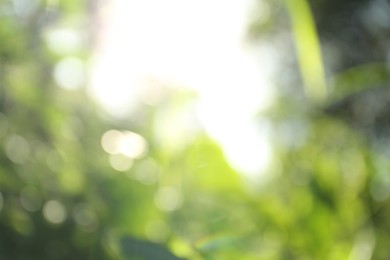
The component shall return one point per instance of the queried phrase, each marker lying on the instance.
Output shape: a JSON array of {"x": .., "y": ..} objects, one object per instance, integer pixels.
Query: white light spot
[
  {"x": 110, "y": 141},
  {"x": 243, "y": 139},
  {"x": 168, "y": 199},
  {"x": 54, "y": 212},
  {"x": 126, "y": 143},
  {"x": 132, "y": 145},
  {"x": 17, "y": 149},
  {"x": 69, "y": 73},
  {"x": 63, "y": 41}
]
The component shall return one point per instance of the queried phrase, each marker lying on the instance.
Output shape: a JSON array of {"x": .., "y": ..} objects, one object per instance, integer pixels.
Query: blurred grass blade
[
  {"x": 358, "y": 78},
  {"x": 308, "y": 49}
]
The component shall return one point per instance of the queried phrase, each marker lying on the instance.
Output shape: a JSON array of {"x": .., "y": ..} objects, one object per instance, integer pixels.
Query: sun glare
[{"x": 193, "y": 43}]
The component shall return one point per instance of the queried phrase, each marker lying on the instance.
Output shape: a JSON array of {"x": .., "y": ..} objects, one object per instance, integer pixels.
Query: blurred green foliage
[
  {"x": 62, "y": 196},
  {"x": 332, "y": 158}
]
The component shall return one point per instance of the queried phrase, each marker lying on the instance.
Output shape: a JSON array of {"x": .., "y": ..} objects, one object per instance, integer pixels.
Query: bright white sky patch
[{"x": 197, "y": 44}]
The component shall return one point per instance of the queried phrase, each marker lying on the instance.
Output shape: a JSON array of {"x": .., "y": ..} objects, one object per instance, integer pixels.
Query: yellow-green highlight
[{"x": 308, "y": 50}]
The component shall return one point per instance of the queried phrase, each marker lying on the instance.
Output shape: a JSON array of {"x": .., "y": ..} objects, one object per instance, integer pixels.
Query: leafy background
[{"x": 327, "y": 195}]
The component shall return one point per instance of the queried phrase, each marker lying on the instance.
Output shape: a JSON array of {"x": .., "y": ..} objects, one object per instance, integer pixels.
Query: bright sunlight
[{"x": 183, "y": 43}]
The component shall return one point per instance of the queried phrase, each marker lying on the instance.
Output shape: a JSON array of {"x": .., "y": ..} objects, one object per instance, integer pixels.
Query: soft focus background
[{"x": 194, "y": 129}]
